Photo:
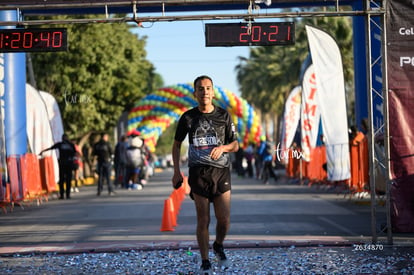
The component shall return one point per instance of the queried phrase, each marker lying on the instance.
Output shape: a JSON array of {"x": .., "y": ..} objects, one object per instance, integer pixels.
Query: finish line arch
[{"x": 154, "y": 113}]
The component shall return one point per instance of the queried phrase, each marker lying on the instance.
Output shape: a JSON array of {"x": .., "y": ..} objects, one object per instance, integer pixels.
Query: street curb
[{"x": 115, "y": 247}]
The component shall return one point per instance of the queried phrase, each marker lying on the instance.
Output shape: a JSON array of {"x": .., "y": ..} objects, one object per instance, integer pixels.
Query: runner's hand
[
  {"x": 216, "y": 152},
  {"x": 177, "y": 181}
]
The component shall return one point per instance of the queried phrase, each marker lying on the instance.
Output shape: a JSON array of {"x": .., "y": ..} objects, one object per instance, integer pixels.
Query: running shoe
[
  {"x": 205, "y": 268},
  {"x": 221, "y": 256}
]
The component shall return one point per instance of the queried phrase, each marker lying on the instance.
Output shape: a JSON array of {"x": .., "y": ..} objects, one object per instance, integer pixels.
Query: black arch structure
[{"x": 369, "y": 53}]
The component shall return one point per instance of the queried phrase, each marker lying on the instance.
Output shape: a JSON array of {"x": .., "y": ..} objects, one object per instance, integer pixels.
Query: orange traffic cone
[
  {"x": 173, "y": 212},
  {"x": 186, "y": 186},
  {"x": 168, "y": 218},
  {"x": 176, "y": 200},
  {"x": 181, "y": 193}
]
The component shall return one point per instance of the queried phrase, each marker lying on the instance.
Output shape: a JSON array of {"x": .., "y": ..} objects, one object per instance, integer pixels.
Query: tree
[
  {"x": 270, "y": 73},
  {"x": 103, "y": 73}
]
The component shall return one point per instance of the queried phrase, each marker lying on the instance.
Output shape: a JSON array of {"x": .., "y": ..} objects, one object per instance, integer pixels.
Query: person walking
[
  {"x": 67, "y": 153},
  {"x": 267, "y": 152},
  {"x": 77, "y": 168},
  {"x": 212, "y": 136},
  {"x": 120, "y": 162},
  {"x": 135, "y": 161},
  {"x": 103, "y": 151}
]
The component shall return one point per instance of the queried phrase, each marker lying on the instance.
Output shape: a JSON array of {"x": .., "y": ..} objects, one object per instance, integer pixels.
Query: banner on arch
[{"x": 400, "y": 62}]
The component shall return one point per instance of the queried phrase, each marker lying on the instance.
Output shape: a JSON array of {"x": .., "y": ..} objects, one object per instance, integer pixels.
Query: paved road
[{"x": 278, "y": 214}]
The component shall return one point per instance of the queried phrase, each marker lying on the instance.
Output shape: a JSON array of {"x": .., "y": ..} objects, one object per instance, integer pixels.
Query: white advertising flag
[
  {"x": 291, "y": 117},
  {"x": 39, "y": 130},
  {"x": 327, "y": 62},
  {"x": 310, "y": 115}
]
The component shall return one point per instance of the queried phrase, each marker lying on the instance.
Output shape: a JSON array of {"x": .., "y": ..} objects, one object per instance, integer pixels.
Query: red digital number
[
  {"x": 244, "y": 35},
  {"x": 14, "y": 43},
  {"x": 256, "y": 33},
  {"x": 272, "y": 35},
  {"x": 56, "y": 39},
  {"x": 45, "y": 36},
  {"x": 288, "y": 37},
  {"x": 27, "y": 40}
]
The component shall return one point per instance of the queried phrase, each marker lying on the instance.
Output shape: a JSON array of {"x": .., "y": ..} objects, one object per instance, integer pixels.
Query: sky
[{"x": 177, "y": 50}]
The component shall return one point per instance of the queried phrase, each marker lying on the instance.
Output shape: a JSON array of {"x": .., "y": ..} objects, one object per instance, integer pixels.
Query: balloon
[{"x": 154, "y": 113}]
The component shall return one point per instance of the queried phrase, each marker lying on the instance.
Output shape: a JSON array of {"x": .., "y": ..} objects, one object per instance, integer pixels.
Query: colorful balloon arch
[{"x": 153, "y": 114}]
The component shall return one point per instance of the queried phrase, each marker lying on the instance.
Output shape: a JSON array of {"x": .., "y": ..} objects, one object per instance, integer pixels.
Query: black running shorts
[{"x": 208, "y": 181}]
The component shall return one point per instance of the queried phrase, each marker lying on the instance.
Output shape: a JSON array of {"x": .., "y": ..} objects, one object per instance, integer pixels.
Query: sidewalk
[{"x": 275, "y": 228}]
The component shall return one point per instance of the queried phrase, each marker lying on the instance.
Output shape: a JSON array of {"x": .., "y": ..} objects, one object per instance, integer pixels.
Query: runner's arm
[
  {"x": 228, "y": 148},
  {"x": 176, "y": 154}
]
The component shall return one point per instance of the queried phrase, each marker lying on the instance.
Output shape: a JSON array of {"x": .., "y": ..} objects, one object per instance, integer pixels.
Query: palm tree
[{"x": 269, "y": 74}]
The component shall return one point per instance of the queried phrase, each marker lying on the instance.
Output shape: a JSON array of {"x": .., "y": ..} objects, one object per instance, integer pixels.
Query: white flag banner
[
  {"x": 39, "y": 131},
  {"x": 54, "y": 115},
  {"x": 310, "y": 114},
  {"x": 327, "y": 62},
  {"x": 291, "y": 117}
]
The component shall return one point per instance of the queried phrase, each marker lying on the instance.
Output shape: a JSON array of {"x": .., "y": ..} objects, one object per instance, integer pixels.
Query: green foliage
[
  {"x": 103, "y": 73},
  {"x": 269, "y": 74},
  {"x": 165, "y": 141}
]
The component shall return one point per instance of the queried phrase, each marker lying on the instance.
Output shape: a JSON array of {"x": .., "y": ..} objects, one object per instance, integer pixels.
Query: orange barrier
[
  {"x": 48, "y": 174},
  {"x": 293, "y": 163},
  {"x": 27, "y": 179},
  {"x": 314, "y": 171},
  {"x": 17, "y": 186},
  {"x": 4, "y": 193},
  {"x": 317, "y": 170},
  {"x": 359, "y": 163},
  {"x": 31, "y": 175}
]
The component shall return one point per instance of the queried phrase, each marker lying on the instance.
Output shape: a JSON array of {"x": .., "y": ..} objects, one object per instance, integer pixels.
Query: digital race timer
[
  {"x": 259, "y": 34},
  {"x": 33, "y": 40}
]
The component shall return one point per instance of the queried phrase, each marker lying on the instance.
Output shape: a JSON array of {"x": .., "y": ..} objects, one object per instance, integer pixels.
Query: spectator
[
  {"x": 267, "y": 153},
  {"x": 103, "y": 151},
  {"x": 120, "y": 162},
  {"x": 135, "y": 161},
  {"x": 77, "y": 167},
  {"x": 67, "y": 153}
]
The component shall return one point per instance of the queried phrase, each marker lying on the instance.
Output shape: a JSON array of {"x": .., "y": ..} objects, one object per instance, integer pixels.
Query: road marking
[{"x": 338, "y": 226}]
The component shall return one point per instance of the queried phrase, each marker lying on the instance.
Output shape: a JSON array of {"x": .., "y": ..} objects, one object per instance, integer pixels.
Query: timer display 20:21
[
  {"x": 258, "y": 34},
  {"x": 33, "y": 40}
]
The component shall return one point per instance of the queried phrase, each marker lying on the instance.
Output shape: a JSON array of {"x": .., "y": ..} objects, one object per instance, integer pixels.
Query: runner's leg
[
  {"x": 222, "y": 213},
  {"x": 202, "y": 205}
]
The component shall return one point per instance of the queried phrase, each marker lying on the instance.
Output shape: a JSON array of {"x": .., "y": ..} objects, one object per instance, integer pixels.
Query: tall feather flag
[
  {"x": 291, "y": 117},
  {"x": 310, "y": 114},
  {"x": 327, "y": 62}
]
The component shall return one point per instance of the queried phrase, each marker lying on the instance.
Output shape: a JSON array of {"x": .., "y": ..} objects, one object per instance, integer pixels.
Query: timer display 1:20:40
[{"x": 33, "y": 40}]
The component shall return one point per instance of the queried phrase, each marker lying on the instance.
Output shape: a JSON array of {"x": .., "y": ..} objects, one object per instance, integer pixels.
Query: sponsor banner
[
  {"x": 400, "y": 62},
  {"x": 291, "y": 117},
  {"x": 310, "y": 115},
  {"x": 401, "y": 87},
  {"x": 329, "y": 79}
]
